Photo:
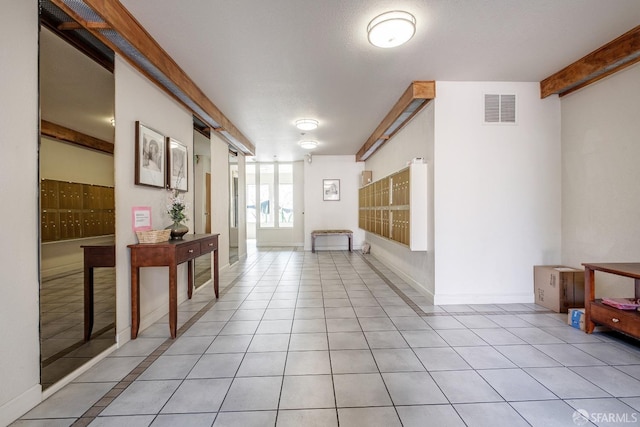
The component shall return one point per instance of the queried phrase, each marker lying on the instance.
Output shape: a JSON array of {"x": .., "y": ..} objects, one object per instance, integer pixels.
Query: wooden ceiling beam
[
  {"x": 610, "y": 58},
  {"x": 69, "y": 26},
  {"x": 118, "y": 18},
  {"x": 65, "y": 134},
  {"x": 417, "y": 90},
  {"x": 79, "y": 43}
]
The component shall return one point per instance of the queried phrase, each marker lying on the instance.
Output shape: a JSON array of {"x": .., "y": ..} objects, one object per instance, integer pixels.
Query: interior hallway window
[
  {"x": 267, "y": 195},
  {"x": 285, "y": 195},
  {"x": 270, "y": 195},
  {"x": 252, "y": 214}
]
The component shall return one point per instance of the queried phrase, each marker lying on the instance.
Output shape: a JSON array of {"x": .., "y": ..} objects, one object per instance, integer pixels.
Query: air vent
[{"x": 499, "y": 108}]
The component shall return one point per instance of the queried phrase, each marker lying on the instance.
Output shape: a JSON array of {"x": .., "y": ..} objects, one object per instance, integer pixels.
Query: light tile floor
[
  {"x": 335, "y": 338},
  {"x": 62, "y": 345}
]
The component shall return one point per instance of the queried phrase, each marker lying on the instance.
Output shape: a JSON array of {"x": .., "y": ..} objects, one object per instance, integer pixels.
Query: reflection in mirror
[
  {"x": 77, "y": 317},
  {"x": 201, "y": 197},
  {"x": 233, "y": 207}
]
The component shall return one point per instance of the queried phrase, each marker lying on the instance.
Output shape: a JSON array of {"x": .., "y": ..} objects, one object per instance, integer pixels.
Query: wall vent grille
[{"x": 499, "y": 108}]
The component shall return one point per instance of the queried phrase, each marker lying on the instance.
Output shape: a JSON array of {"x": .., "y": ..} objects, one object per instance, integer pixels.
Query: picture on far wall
[
  {"x": 177, "y": 177},
  {"x": 330, "y": 189},
  {"x": 149, "y": 158}
]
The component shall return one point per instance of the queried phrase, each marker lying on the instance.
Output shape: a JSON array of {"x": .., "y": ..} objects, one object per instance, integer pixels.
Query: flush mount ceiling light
[
  {"x": 309, "y": 145},
  {"x": 306, "y": 124},
  {"x": 391, "y": 29}
]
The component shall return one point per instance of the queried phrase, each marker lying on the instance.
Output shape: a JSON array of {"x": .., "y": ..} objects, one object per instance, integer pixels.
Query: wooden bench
[{"x": 316, "y": 233}]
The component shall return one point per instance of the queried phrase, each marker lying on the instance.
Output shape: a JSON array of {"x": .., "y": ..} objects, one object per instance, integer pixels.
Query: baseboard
[
  {"x": 124, "y": 336},
  {"x": 408, "y": 279},
  {"x": 279, "y": 245},
  {"x": 449, "y": 299},
  {"x": 20, "y": 405},
  {"x": 335, "y": 248},
  {"x": 151, "y": 318},
  {"x": 76, "y": 373}
]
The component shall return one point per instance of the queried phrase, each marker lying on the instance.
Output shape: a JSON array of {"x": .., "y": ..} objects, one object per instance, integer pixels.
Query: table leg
[
  {"x": 173, "y": 299},
  {"x": 135, "y": 302},
  {"x": 88, "y": 302},
  {"x": 216, "y": 275},
  {"x": 350, "y": 244},
  {"x": 637, "y": 288},
  {"x": 313, "y": 243},
  {"x": 190, "y": 278},
  {"x": 589, "y": 296}
]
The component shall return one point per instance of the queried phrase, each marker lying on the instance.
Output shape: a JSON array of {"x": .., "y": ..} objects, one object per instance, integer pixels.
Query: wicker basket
[{"x": 153, "y": 236}]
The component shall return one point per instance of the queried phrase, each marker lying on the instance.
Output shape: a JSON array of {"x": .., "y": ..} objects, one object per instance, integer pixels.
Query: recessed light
[
  {"x": 391, "y": 29},
  {"x": 309, "y": 145},
  {"x": 306, "y": 124}
]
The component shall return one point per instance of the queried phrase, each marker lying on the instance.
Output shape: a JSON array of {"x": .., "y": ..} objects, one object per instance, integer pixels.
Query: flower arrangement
[{"x": 177, "y": 207}]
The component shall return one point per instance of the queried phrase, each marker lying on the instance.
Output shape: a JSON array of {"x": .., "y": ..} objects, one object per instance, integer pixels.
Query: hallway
[{"x": 335, "y": 338}]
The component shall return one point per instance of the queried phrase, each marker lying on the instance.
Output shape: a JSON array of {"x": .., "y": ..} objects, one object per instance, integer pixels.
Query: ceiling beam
[
  {"x": 120, "y": 20},
  {"x": 68, "y": 26},
  {"x": 65, "y": 134},
  {"x": 424, "y": 90},
  {"x": 610, "y": 58},
  {"x": 47, "y": 20}
]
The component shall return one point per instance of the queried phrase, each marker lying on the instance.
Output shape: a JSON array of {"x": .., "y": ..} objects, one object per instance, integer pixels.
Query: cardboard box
[
  {"x": 558, "y": 288},
  {"x": 575, "y": 318}
]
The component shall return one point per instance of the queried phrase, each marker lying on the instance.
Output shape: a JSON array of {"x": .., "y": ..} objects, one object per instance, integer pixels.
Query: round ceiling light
[
  {"x": 391, "y": 29},
  {"x": 309, "y": 145},
  {"x": 306, "y": 124}
]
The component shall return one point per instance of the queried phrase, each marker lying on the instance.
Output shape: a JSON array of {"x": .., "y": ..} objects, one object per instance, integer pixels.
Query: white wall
[
  {"x": 600, "y": 176},
  {"x": 20, "y": 355},
  {"x": 416, "y": 139},
  {"x": 342, "y": 214},
  {"x": 497, "y": 193},
  {"x": 136, "y": 98},
  {"x": 67, "y": 162}
]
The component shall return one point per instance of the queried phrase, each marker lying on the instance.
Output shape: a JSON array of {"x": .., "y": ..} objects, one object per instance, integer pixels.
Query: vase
[{"x": 177, "y": 230}]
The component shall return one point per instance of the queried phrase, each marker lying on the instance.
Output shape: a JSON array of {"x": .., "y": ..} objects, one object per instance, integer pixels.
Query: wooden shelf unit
[{"x": 395, "y": 207}]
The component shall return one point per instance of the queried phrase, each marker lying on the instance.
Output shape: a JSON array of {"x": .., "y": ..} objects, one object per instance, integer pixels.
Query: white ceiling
[
  {"x": 75, "y": 91},
  {"x": 267, "y": 63}
]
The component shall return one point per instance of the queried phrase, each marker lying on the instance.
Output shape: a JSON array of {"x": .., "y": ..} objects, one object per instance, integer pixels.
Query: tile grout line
[
  {"x": 96, "y": 409},
  {"x": 422, "y": 313},
  {"x": 93, "y": 412}
]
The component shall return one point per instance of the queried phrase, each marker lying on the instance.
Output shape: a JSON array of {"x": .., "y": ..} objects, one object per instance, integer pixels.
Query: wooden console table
[
  {"x": 316, "y": 233},
  {"x": 94, "y": 256},
  {"x": 170, "y": 254},
  {"x": 627, "y": 321}
]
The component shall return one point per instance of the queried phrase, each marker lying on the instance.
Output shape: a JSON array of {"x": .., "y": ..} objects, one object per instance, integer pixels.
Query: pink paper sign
[{"x": 141, "y": 218}]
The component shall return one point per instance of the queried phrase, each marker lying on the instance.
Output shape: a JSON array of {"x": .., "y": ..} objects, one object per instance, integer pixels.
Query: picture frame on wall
[
  {"x": 177, "y": 165},
  {"x": 330, "y": 189},
  {"x": 149, "y": 157}
]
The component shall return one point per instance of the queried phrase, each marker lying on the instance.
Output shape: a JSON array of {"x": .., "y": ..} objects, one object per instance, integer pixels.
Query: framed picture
[
  {"x": 330, "y": 189},
  {"x": 149, "y": 158},
  {"x": 141, "y": 218},
  {"x": 177, "y": 177}
]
